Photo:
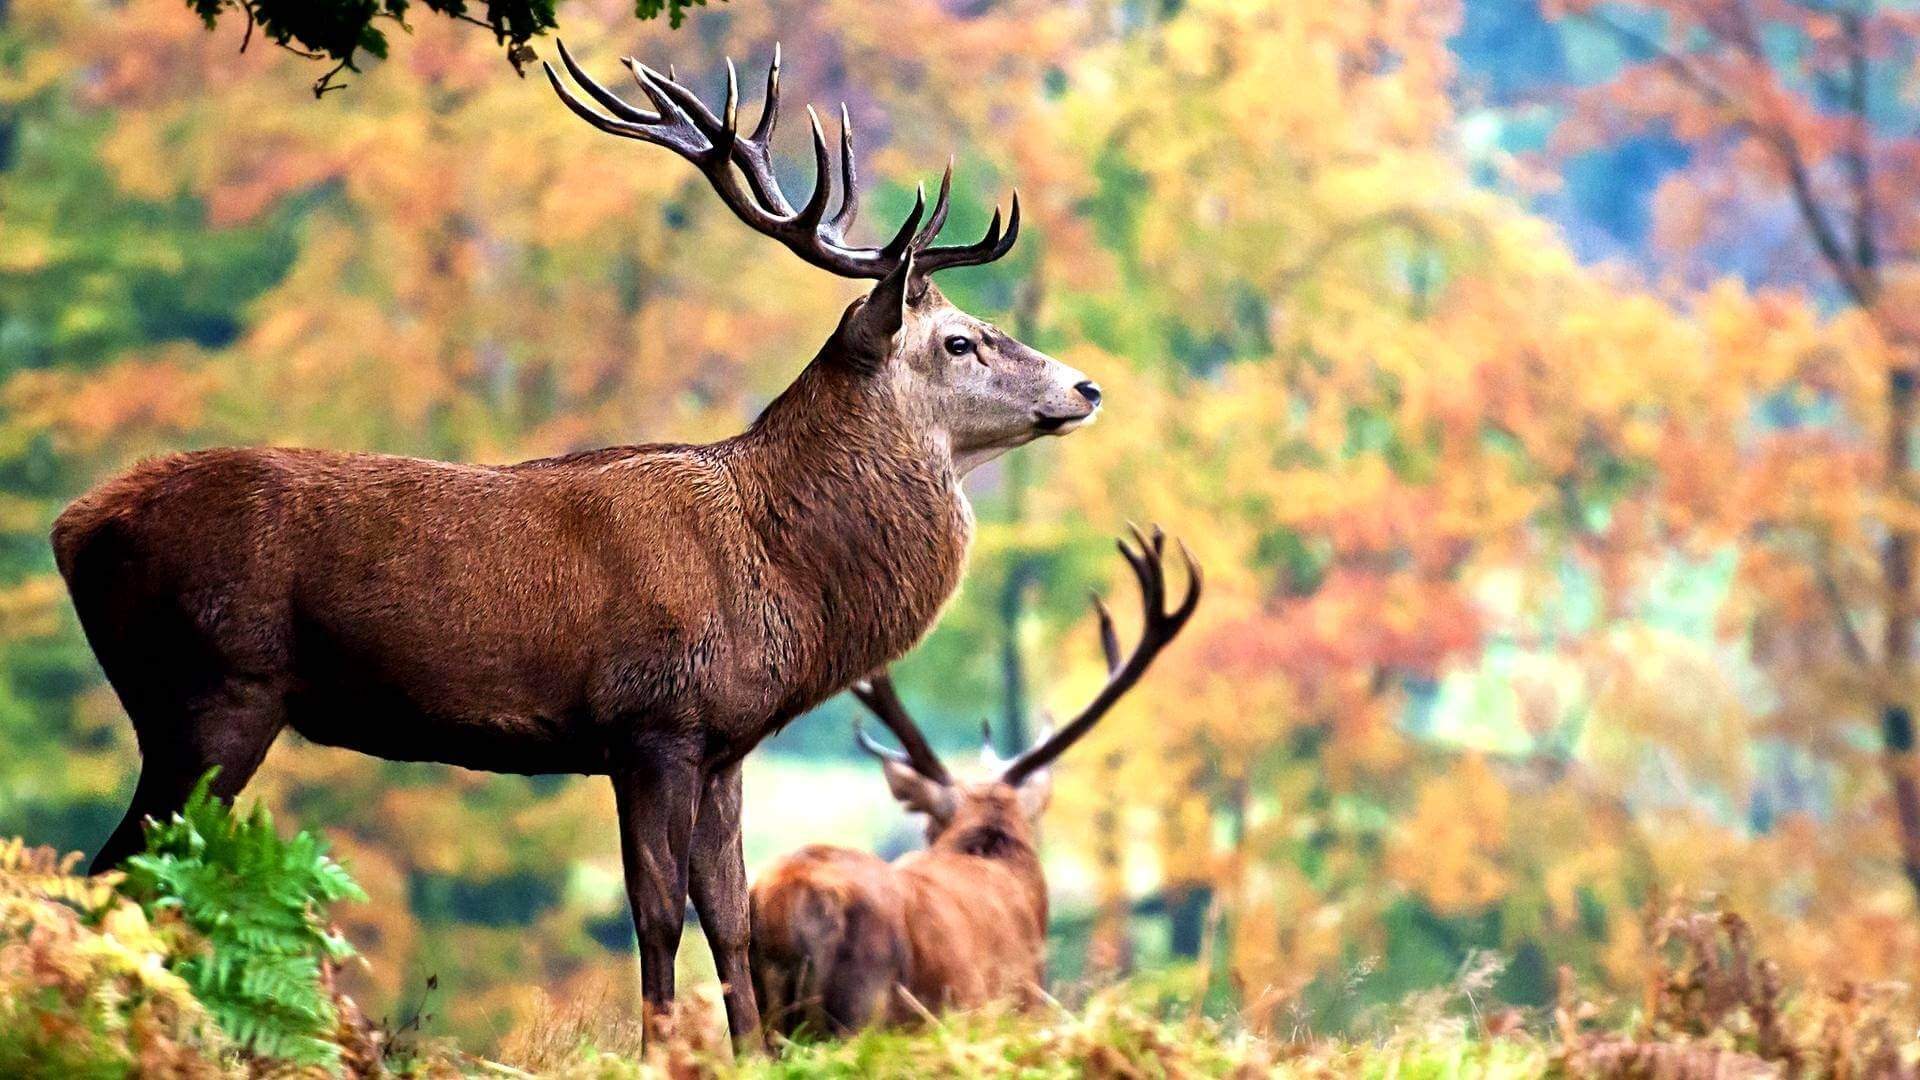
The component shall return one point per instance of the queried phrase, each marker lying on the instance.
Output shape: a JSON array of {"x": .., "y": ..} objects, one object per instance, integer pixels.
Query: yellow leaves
[
  {"x": 22, "y": 252},
  {"x": 1664, "y": 705},
  {"x": 1450, "y": 849},
  {"x": 1284, "y": 932},
  {"x": 79, "y": 962},
  {"x": 133, "y": 401},
  {"x": 1808, "y": 480},
  {"x": 1274, "y": 185},
  {"x": 45, "y": 873},
  {"x": 32, "y": 608}
]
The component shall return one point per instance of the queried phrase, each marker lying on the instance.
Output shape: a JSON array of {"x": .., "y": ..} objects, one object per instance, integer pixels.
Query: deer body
[
  {"x": 532, "y": 618},
  {"x": 842, "y": 939},
  {"x": 839, "y": 934},
  {"x": 645, "y": 612}
]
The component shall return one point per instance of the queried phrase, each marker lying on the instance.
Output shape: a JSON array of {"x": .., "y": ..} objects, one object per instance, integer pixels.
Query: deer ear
[
  {"x": 916, "y": 792},
  {"x": 872, "y": 326},
  {"x": 1035, "y": 792}
]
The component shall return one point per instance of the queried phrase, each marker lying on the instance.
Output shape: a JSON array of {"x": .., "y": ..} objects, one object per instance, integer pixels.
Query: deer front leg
[
  {"x": 657, "y": 795},
  {"x": 720, "y": 896}
]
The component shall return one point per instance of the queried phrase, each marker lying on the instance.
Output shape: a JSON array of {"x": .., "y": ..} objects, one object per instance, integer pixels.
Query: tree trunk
[
  {"x": 7, "y": 121},
  {"x": 1896, "y": 718},
  {"x": 1015, "y": 735},
  {"x": 1187, "y": 918},
  {"x": 1110, "y": 945}
]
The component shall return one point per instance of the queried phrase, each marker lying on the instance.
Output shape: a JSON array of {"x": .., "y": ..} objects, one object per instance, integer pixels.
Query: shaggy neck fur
[
  {"x": 858, "y": 509},
  {"x": 996, "y": 834}
]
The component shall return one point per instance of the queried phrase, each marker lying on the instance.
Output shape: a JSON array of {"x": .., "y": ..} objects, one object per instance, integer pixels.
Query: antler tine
[
  {"x": 989, "y": 247},
  {"x": 1195, "y": 580},
  {"x": 1109, "y": 640},
  {"x": 606, "y": 98},
  {"x": 714, "y": 144},
  {"x": 1158, "y": 627},
  {"x": 686, "y": 100},
  {"x": 730, "y": 116},
  {"x": 816, "y": 208},
  {"x": 903, "y": 240},
  {"x": 585, "y": 112},
  {"x": 754, "y": 153},
  {"x": 938, "y": 218},
  {"x": 1147, "y": 566},
  {"x": 843, "y": 218},
  {"x": 770, "y": 105},
  {"x": 881, "y": 699},
  {"x": 884, "y": 753}
]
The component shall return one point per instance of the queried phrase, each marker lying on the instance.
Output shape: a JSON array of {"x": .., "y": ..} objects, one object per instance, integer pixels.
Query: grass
[
  {"x": 90, "y": 985},
  {"x": 1109, "y": 1036}
]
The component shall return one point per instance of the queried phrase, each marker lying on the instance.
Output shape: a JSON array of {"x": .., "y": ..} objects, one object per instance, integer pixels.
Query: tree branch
[
  {"x": 1865, "y": 251},
  {"x": 1849, "y": 634},
  {"x": 1679, "y": 64},
  {"x": 1776, "y": 135}
]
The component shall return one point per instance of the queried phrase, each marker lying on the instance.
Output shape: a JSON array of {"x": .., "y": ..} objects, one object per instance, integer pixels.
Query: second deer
[{"x": 842, "y": 939}]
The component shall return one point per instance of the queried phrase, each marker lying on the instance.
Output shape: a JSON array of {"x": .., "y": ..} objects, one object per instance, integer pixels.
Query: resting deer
[
  {"x": 649, "y": 613},
  {"x": 842, "y": 940}
]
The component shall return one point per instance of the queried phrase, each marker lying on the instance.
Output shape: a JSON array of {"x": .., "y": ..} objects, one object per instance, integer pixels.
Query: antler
[
  {"x": 880, "y": 698},
  {"x": 683, "y": 124},
  {"x": 1160, "y": 627}
]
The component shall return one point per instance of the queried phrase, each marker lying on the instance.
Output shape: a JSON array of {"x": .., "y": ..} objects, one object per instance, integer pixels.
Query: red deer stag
[
  {"x": 649, "y": 613},
  {"x": 842, "y": 939}
]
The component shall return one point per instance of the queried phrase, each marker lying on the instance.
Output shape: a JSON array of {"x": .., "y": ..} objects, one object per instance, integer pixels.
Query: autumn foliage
[{"x": 1538, "y": 584}]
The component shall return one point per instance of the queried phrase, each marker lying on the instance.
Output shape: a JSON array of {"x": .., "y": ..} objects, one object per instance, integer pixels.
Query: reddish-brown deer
[
  {"x": 842, "y": 940},
  {"x": 644, "y": 612}
]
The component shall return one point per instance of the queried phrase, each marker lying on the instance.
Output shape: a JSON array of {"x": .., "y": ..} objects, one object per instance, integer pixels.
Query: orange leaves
[
  {"x": 1450, "y": 849},
  {"x": 137, "y": 405}
]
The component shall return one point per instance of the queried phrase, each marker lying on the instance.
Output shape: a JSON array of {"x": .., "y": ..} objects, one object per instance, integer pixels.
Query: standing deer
[
  {"x": 649, "y": 613},
  {"x": 842, "y": 939}
]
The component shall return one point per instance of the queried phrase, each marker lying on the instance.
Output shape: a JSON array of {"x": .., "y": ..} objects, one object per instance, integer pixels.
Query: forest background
[{"x": 1535, "y": 381}]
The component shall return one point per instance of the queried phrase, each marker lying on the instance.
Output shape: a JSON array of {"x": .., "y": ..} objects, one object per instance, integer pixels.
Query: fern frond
[{"x": 259, "y": 901}]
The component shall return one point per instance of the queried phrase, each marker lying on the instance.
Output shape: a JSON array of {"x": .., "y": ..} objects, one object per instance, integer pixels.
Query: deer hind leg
[
  {"x": 657, "y": 795},
  {"x": 231, "y": 728},
  {"x": 772, "y": 991},
  {"x": 860, "y": 972},
  {"x": 719, "y": 888}
]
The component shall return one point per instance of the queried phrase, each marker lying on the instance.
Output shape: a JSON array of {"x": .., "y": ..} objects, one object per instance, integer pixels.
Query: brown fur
[
  {"x": 646, "y": 612},
  {"x": 842, "y": 940}
]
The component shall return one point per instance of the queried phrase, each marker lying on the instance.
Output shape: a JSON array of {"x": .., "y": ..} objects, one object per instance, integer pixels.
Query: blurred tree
[
  {"x": 1798, "y": 113},
  {"x": 1414, "y": 437},
  {"x": 87, "y": 273}
]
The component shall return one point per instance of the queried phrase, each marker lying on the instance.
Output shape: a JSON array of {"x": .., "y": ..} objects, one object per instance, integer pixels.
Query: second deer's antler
[
  {"x": 880, "y": 698},
  {"x": 1160, "y": 626}
]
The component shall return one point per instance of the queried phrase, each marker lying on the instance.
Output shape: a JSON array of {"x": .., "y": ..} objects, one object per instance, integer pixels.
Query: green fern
[{"x": 259, "y": 902}]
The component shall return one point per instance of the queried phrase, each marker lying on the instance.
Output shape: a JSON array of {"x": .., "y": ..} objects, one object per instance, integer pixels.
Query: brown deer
[
  {"x": 842, "y": 940},
  {"x": 649, "y": 613}
]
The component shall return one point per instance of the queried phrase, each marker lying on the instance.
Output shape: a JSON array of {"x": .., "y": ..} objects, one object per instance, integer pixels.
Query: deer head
[
  {"x": 1011, "y": 799},
  {"x": 959, "y": 377}
]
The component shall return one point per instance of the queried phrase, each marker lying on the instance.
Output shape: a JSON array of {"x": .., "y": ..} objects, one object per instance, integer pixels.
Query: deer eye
[{"x": 958, "y": 345}]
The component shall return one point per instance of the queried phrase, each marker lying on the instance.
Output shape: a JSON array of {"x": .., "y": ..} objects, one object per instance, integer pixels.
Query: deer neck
[
  {"x": 1009, "y": 848},
  {"x": 859, "y": 507}
]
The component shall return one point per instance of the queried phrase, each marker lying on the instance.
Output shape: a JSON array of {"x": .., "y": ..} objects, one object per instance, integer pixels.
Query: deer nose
[{"x": 1089, "y": 390}]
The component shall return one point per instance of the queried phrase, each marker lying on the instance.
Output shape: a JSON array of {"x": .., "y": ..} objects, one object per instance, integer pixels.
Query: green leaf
[{"x": 259, "y": 901}]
